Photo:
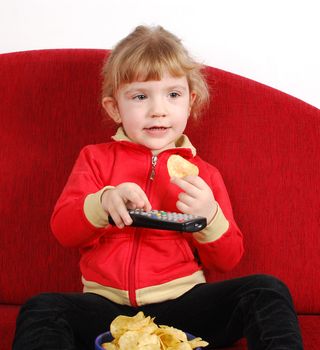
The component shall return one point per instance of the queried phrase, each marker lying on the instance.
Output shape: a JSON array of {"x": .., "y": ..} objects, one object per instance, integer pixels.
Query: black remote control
[{"x": 163, "y": 220}]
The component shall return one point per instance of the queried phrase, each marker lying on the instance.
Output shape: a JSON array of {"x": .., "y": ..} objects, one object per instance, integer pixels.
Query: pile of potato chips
[{"x": 141, "y": 333}]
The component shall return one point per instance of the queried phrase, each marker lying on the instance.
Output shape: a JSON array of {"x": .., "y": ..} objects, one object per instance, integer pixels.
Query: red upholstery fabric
[
  {"x": 310, "y": 327},
  {"x": 264, "y": 142},
  {"x": 8, "y": 315}
]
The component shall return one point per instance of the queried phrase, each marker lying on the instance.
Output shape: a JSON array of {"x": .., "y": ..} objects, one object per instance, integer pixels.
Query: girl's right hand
[{"x": 118, "y": 200}]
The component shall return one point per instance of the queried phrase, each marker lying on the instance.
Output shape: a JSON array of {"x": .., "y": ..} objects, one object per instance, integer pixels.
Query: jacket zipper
[
  {"x": 136, "y": 240},
  {"x": 153, "y": 169}
]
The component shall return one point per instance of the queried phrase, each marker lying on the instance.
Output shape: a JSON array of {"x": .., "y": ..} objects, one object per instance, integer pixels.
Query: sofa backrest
[{"x": 264, "y": 142}]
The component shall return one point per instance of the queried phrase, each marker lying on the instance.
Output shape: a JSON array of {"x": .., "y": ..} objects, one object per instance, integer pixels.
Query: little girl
[{"x": 151, "y": 88}]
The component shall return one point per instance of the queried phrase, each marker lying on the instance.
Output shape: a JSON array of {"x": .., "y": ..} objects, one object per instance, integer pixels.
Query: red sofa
[{"x": 265, "y": 143}]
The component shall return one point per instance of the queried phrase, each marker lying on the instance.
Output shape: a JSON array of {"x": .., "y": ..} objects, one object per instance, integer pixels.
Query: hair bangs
[{"x": 151, "y": 65}]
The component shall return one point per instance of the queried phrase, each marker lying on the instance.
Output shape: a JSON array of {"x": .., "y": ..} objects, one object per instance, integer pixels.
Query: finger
[
  {"x": 186, "y": 199},
  {"x": 134, "y": 198},
  {"x": 116, "y": 219},
  {"x": 183, "y": 208},
  {"x": 186, "y": 186},
  {"x": 147, "y": 207},
  {"x": 131, "y": 206},
  {"x": 120, "y": 215},
  {"x": 140, "y": 200},
  {"x": 197, "y": 181},
  {"x": 146, "y": 204}
]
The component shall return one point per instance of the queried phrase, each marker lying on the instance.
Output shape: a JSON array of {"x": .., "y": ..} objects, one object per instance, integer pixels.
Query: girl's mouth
[
  {"x": 157, "y": 131},
  {"x": 157, "y": 128}
]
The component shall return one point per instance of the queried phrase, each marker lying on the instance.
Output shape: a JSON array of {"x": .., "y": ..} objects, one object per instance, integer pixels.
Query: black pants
[{"x": 258, "y": 307}]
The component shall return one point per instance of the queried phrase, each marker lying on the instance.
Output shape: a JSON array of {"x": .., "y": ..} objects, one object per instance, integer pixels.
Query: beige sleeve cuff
[
  {"x": 216, "y": 228},
  {"x": 93, "y": 209}
]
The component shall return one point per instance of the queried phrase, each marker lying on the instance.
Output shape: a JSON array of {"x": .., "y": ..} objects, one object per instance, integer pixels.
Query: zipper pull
[{"x": 153, "y": 170}]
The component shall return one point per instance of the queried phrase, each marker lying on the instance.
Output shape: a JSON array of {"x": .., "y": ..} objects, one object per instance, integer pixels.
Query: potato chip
[
  {"x": 109, "y": 346},
  {"x": 129, "y": 340},
  {"x": 141, "y": 333},
  {"x": 197, "y": 342},
  {"x": 180, "y": 167},
  {"x": 149, "y": 347},
  {"x": 166, "y": 333},
  {"x": 148, "y": 339},
  {"x": 180, "y": 346}
]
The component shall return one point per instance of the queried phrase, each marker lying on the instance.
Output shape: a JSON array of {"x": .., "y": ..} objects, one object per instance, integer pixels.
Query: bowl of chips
[{"x": 141, "y": 333}]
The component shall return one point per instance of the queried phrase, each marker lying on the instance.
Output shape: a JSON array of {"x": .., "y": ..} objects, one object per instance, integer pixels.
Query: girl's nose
[
  {"x": 158, "y": 115},
  {"x": 158, "y": 109}
]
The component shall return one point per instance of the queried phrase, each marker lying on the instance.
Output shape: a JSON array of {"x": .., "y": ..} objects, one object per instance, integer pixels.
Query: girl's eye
[
  {"x": 140, "y": 97},
  {"x": 174, "y": 94}
]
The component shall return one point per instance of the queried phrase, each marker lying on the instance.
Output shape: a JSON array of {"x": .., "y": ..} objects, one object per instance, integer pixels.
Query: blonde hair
[{"x": 146, "y": 54}]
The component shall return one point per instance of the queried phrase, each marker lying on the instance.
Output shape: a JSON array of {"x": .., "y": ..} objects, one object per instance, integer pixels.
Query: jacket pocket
[{"x": 185, "y": 249}]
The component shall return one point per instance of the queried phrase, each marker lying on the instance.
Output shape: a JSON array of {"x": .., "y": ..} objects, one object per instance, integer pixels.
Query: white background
[{"x": 275, "y": 42}]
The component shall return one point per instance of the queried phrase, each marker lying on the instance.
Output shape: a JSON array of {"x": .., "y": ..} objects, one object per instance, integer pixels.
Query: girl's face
[{"x": 152, "y": 113}]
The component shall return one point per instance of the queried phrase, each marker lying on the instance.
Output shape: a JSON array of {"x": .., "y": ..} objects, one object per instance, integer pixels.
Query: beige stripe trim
[
  {"x": 116, "y": 295},
  {"x": 93, "y": 210},
  {"x": 148, "y": 295},
  {"x": 218, "y": 226},
  {"x": 170, "y": 290}
]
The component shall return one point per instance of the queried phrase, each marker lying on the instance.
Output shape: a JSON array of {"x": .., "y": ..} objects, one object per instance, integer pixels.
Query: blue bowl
[
  {"x": 107, "y": 337},
  {"x": 102, "y": 338}
]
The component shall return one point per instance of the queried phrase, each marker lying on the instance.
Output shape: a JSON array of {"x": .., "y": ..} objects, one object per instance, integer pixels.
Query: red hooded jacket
[{"x": 137, "y": 266}]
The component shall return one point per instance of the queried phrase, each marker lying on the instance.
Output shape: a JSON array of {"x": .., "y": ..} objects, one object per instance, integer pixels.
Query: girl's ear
[
  {"x": 193, "y": 96},
  {"x": 111, "y": 107}
]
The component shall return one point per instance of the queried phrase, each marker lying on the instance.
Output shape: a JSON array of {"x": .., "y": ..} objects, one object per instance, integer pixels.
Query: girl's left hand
[{"x": 197, "y": 198}]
